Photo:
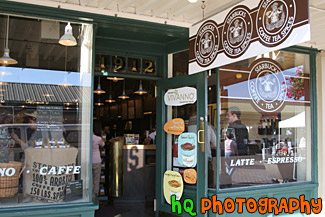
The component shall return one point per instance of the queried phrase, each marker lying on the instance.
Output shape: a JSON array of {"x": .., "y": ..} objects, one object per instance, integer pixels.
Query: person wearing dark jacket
[{"x": 240, "y": 130}]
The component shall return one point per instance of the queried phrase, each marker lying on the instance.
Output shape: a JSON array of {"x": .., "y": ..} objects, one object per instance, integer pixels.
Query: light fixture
[
  {"x": 115, "y": 79},
  {"x": 6, "y": 59},
  {"x": 67, "y": 39},
  {"x": 99, "y": 103},
  {"x": 110, "y": 98},
  {"x": 102, "y": 65},
  {"x": 239, "y": 75},
  {"x": 99, "y": 89},
  {"x": 192, "y": 1},
  {"x": 48, "y": 95},
  {"x": 141, "y": 91},
  {"x": 123, "y": 96}
]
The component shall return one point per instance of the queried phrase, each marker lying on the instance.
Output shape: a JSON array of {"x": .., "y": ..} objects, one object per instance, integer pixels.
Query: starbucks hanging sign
[{"x": 248, "y": 30}]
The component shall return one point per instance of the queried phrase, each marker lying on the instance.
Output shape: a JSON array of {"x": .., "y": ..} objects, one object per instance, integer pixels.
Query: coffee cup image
[
  {"x": 175, "y": 188},
  {"x": 188, "y": 154}
]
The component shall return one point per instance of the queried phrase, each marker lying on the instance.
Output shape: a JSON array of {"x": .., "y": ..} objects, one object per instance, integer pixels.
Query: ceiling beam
[
  {"x": 84, "y": 2},
  {"x": 125, "y": 4},
  {"x": 102, "y": 4},
  {"x": 146, "y": 6},
  {"x": 164, "y": 7}
]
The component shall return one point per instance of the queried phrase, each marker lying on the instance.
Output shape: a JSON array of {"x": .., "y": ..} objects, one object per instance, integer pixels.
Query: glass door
[{"x": 181, "y": 151}]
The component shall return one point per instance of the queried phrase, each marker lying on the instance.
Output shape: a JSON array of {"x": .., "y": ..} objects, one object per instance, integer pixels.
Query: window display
[
  {"x": 265, "y": 121},
  {"x": 45, "y": 114}
]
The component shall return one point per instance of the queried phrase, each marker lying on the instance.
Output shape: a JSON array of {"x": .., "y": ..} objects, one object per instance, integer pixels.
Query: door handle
[{"x": 200, "y": 135}]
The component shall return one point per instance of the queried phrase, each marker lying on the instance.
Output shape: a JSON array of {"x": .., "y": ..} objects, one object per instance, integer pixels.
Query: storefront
[{"x": 242, "y": 129}]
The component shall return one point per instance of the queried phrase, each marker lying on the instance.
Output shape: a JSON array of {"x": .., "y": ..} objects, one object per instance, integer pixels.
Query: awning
[
  {"x": 38, "y": 93},
  {"x": 294, "y": 122}
]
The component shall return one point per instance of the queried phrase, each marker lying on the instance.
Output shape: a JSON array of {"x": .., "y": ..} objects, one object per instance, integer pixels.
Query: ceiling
[{"x": 177, "y": 12}]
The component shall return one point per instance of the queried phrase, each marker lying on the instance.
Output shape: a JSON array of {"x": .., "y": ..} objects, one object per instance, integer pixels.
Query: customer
[
  {"x": 230, "y": 151},
  {"x": 98, "y": 141},
  {"x": 240, "y": 130}
]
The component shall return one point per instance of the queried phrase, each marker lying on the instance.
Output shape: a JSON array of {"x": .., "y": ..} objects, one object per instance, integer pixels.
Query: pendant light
[
  {"x": 99, "y": 103},
  {"x": 115, "y": 79},
  {"x": 141, "y": 91},
  {"x": 67, "y": 39},
  {"x": 6, "y": 59},
  {"x": 110, "y": 98},
  {"x": 99, "y": 89},
  {"x": 102, "y": 65},
  {"x": 123, "y": 96}
]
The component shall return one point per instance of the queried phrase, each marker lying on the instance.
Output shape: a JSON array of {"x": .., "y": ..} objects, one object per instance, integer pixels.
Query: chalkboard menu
[
  {"x": 4, "y": 145},
  {"x": 49, "y": 118}
]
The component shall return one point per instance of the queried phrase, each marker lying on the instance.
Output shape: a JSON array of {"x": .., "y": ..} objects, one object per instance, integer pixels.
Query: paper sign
[
  {"x": 190, "y": 176},
  {"x": 175, "y": 126},
  {"x": 187, "y": 149},
  {"x": 180, "y": 96},
  {"x": 173, "y": 185},
  {"x": 247, "y": 30}
]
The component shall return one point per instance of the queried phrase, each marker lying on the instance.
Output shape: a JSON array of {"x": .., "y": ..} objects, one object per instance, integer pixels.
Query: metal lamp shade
[
  {"x": 67, "y": 39},
  {"x": 6, "y": 59}
]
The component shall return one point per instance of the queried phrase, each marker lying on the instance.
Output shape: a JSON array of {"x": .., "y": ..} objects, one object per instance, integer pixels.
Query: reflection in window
[
  {"x": 45, "y": 114},
  {"x": 260, "y": 146}
]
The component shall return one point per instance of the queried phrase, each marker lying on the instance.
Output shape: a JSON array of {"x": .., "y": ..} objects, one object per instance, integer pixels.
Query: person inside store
[
  {"x": 211, "y": 143},
  {"x": 151, "y": 138},
  {"x": 98, "y": 142},
  {"x": 30, "y": 119},
  {"x": 240, "y": 130},
  {"x": 230, "y": 151}
]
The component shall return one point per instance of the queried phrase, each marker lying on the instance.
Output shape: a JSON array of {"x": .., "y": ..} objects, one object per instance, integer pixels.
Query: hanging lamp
[
  {"x": 68, "y": 39},
  {"x": 115, "y": 79},
  {"x": 141, "y": 91},
  {"x": 102, "y": 65},
  {"x": 110, "y": 98},
  {"x": 123, "y": 96},
  {"x": 99, "y": 89},
  {"x": 99, "y": 103},
  {"x": 6, "y": 59}
]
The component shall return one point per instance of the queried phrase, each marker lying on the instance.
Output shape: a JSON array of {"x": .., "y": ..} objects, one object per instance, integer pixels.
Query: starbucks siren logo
[
  {"x": 206, "y": 43},
  {"x": 266, "y": 85},
  {"x": 237, "y": 32},
  {"x": 275, "y": 20}
]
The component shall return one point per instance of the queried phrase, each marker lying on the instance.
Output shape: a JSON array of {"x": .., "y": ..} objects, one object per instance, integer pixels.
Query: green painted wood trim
[
  {"x": 48, "y": 209},
  {"x": 300, "y": 49},
  {"x": 218, "y": 151},
  {"x": 314, "y": 118},
  {"x": 103, "y": 20}
]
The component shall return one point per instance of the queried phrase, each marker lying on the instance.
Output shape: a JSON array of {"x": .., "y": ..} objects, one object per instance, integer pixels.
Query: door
[{"x": 175, "y": 99}]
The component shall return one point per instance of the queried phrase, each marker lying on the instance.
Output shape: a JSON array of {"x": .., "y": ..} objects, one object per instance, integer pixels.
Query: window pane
[
  {"x": 265, "y": 121},
  {"x": 45, "y": 114}
]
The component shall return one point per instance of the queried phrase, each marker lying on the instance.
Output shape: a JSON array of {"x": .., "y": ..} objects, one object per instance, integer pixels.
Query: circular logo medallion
[
  {"x": 275, "y": 20},
  {"x": 206, "y": 43},
  {"x": 266, "y": 85},
  {"x": 237, "y": 32}
]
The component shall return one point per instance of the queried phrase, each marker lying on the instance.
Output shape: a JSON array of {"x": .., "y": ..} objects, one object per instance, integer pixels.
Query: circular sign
[
  {"x": 275, "y": 20},
  {"x": 206, "y": 43},
  {"x": 237, "y": 32},
  {"x": 266, "y": 85}
]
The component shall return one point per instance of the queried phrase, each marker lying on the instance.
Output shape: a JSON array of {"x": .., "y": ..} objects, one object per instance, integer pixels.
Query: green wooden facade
[{"x": 120, "y": 36}]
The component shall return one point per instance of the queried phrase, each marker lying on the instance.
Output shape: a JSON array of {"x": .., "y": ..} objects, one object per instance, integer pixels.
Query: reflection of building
[{"x": 145, "y": 54}]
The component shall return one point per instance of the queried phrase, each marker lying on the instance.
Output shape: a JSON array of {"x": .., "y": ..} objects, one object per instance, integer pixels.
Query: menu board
[{"x": 49, "y": 118}]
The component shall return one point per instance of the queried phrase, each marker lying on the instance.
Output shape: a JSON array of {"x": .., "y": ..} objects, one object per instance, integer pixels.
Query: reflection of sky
[
  {"x": 240, "y": 90},
  {"x": 42, "y": 76}
]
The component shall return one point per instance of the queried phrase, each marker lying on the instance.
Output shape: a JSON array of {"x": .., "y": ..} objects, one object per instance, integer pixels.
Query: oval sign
[
  {"x": 190, "y": 176},
  {"x": 180, "y": 96},
  {"x": 175, "y": 126},
  {"x": 173, "y": 185}
]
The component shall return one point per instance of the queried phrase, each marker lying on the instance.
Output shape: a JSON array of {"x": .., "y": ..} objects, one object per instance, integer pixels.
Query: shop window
[
  {"x": 45, "y": 114},
  {"x": 265, "y": 121},
  {"x": 180, "y": 63}
]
